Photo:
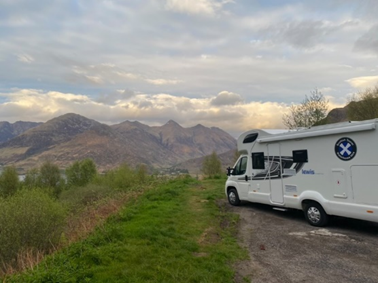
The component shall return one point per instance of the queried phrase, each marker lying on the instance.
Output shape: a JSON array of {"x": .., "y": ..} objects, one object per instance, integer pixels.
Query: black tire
[
  {"x": 315, "y": 214},
  {"x": 233, "y": 197}
]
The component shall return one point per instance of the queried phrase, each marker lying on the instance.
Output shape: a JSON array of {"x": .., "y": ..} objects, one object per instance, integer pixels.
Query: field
[{"x": 176, "y": 231}]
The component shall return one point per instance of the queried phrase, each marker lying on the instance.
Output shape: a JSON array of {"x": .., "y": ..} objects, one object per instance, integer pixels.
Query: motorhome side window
[
  {"x": 258, "y": 161},
  {"x": 241, "y": 166},
  {"x": 300, "y": 156}
]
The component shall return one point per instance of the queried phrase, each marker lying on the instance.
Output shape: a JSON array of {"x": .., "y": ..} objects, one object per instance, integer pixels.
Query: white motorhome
[{"x": 323, "y": 170}]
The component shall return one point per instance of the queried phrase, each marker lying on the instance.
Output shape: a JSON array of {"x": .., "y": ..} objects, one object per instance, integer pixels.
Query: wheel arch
[
  {"x": 231, "y": 187},
  {"x": 312, "y": 196}
]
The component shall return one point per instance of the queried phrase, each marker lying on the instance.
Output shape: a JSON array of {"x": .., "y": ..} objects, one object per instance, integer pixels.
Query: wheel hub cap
[
  {"x": 232, "y": 197},
  {"x": 313, "y": 214}
]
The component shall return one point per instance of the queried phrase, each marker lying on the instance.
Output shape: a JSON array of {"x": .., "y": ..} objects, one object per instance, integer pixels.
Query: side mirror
[
  {"x": 246, "y": 178},
  {"x": 229, "y": 171}
]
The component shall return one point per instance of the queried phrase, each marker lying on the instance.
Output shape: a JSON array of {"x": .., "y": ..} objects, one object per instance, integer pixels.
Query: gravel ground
[{"x": 283, "y": 247}]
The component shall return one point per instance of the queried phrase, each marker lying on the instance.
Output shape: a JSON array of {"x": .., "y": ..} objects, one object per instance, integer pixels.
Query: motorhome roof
[{"x": 265, "y": 136}]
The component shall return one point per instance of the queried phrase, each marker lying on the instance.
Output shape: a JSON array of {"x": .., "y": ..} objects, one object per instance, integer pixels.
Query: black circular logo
[{"x": 345, "y": 149}]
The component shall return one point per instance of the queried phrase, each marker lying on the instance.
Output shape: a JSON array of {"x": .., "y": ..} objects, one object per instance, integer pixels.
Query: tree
[
  {"x": 364, "y": 105},
  {"x": 32, "y": 178},
  {"x": 9, "y": 181},
  {"x": 211, "y": 165},
  {"x": 80, "y": 173},
  {"x": 49, "y": 177},
  {"x": 312, "y": 111}
]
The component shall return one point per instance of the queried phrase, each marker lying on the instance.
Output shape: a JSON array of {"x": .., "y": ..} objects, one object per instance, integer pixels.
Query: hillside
[
  {"x": 72, "y": 137},
  {"x": 9, "y": 131}
]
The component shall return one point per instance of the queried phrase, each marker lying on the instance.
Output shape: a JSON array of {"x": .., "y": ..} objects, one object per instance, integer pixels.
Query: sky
[{"x": 231, "y": 64}]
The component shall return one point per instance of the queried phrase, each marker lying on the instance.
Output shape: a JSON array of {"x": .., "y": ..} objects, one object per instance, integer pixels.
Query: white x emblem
[{"x": 345, "y": 149}]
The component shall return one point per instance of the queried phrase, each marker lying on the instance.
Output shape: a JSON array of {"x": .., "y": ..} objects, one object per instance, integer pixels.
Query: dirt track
[{"x": 283, "y": 247}]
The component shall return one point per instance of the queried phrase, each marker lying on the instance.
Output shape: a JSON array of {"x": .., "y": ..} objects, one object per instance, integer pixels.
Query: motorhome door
[{"x": 275, "y": 173}]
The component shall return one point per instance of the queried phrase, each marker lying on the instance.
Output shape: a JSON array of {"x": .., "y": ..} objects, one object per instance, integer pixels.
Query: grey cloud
[
  {"x": 303, "y": 34},
  {"x": 226, "y": 98},
  {"x": 368, "y": 42},
  {"x": 145, "y": 104},
  {"x": 112, "y": 97}
]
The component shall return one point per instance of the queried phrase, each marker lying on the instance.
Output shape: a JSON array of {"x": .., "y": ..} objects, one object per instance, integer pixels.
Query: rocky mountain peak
[{"x": 172, "y": 124}]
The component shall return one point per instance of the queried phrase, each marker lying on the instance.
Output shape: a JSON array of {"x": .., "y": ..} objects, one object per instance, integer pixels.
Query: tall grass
[
  {"x": 35, "y": 221},
  {"x": 30, "y": 221}
]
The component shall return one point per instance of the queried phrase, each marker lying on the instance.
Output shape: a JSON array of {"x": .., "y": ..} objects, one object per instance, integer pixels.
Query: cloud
[
  {"x": 126, "y": 75},
  {"x": 112, "y": 98},
  {"x": 304, "y": 33},
  {"x": 363, "y": 82},
  {"x": 369, "y": 41},
  {"x": 226, "y": 98},
  {"x": 151, "y": 109},
  {"x": 162, "y": 81},
  {"x": 270, "y": 53},
  {"x": 25, "y": 58},
  {"x": 205, "y": 7},
  {"x": 95, "y": 79}
]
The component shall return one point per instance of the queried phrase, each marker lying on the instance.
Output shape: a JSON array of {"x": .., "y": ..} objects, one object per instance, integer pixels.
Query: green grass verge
[{"x": 176, "y": 232}]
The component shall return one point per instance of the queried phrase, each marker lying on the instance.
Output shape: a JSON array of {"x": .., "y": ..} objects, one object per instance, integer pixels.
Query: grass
[{"x": 176, "y": 232}]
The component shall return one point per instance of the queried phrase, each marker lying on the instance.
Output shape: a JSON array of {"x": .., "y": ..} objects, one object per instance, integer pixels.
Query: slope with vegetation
[
  {"x": 312, "y": 110},
  {"x": 159, "y": 230}
]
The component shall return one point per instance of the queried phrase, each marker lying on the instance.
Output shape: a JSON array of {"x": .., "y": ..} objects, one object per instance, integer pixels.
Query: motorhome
[{"x": 323, "y": 170}]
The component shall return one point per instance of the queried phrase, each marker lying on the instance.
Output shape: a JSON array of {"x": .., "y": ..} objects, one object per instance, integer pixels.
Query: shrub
[
  {"x": 121, "y": 178},
  {"x": 49, "y": 175},
  {"x": 29, "y": 220},
  {"x": 80, "y": 173},
  {"x": 9, "y": 182},
  {"x": 212, "y": 166},
  {"x": 31, "y": 178},
  {"x": 82, "y": 196}
]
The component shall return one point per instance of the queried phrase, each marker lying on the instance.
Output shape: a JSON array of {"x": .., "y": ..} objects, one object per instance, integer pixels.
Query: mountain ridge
[{"x": 71, "y": 137}]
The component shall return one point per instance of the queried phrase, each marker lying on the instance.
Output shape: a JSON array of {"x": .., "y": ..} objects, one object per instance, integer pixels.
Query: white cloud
[
  {"x": 127, "y": 75},
  {"x": 207, "y": 7},
  {"x": 363, "y": 82},
  {"x": 226, "y": 98},
  {"x": 162, "y": 81},
  {"x": 38, "y": 105},
  {"x": 25, "y": 58},
  {"x": 95, "y": 79}
]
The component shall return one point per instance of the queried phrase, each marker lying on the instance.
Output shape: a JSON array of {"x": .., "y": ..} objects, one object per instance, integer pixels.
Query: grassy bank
[{"x": 176, "y": 232}]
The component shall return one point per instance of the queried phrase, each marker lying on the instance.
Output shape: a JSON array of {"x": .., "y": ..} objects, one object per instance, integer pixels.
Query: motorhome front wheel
[{"x": 233, "y": 197}]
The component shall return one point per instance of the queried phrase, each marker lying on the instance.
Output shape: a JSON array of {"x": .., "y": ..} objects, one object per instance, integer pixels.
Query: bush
[
  {"x": 80, "y": 173},
  {"x": 82, "y": 196},
  {"x": 32, "y": 178},
  {"x": 47, "y": 177},
  {"x": 364, "y": 105},
  {"x": 124, "y": 177},
  {"x": 29, "y": 220},
  {"x": 9, "y": 181},
  {"x": 212, "y": 166}
]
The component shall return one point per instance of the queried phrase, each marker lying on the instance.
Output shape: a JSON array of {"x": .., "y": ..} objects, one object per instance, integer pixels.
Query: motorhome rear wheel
[{"x": 315, "y": 214}]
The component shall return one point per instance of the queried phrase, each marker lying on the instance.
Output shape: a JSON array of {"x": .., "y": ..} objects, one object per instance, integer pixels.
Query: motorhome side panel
[{"x": 332, "y": 162}]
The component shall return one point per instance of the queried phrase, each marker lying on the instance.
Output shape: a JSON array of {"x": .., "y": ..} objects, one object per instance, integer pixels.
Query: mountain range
[{"x": 71, "y": 137}]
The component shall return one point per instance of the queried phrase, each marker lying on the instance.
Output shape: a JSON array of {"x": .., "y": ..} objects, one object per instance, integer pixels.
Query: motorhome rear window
[
  {"x": 250, "y": 138},
  {"x": 258, "y": 161},
  {"x": 300, "y": 155}
]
